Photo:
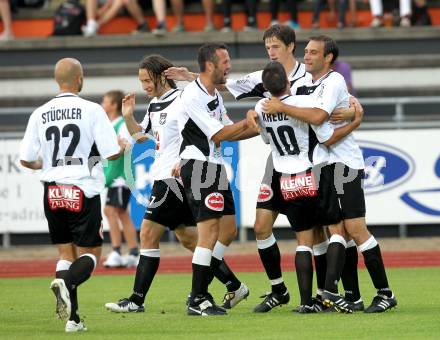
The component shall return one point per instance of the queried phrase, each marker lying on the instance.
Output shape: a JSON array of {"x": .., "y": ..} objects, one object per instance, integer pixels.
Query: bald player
[{"x": 71, "y": 135}]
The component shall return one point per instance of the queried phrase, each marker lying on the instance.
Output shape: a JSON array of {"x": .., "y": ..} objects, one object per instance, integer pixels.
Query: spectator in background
[
  {"x": 96, "y": 17},
  {"x": 420, "y": 14},
  {"x": 293, "y": 10},
  {"x": 209, "y": 7},
  {"x": 342, "y": 9},
  {"x": 352, "y": 11},
  {"x": 251, "y": 14},
  {"x": 177, "y": 6},
  {"x": 344, "y": 69},
  {"x": 377, "y": 10},
  {"x": 159, "y": 8},
  {"x": 118, "y": 193},
  {"x": 5, "y": 15},
  {"x": 319, "y": 6}
]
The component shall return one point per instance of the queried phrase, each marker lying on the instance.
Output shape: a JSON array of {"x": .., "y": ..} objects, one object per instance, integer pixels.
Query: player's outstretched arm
[
  {"x": 306, "y": 114},
  {"x": 343, "y": 131},
  {"x": 251, "y": 118},
  {"x": 135, "y": 130},
  {"x": 180, "y": 74},
  {"x": 229, "y": 131},
  {"x": 249, "y": 132}
]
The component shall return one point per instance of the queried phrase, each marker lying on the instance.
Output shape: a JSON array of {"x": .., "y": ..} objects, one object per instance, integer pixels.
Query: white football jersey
[
  {"x": 161, "y": 121},
  {"x": 251, "y": 85},
  {"x": 71, "y": 135},
  {"x": 295, "y": 144},
  {"x": 330, "y": 92},
  {"x": 203, "y": 116}
]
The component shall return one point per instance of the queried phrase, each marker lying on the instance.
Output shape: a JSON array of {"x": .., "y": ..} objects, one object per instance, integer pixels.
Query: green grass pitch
[{"x": 27, "y": 311}]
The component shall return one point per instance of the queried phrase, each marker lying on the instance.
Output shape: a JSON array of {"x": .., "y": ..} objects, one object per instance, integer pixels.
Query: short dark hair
[
  {"x": 155, "y": 65},
  {"x": 282, "y": 32},
  {"x": 207, "y": 52},
  {"x": 275, "y": 78},
  {"x": 330, "y": 46},
  {"x": 116, "y": 96}
]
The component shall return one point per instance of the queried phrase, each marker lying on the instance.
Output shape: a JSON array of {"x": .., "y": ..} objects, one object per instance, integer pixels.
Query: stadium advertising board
[
  {"x": 402, "y": 183},
  {"x": 21, "y": 193},
  {"x": 143, "y": 156}
]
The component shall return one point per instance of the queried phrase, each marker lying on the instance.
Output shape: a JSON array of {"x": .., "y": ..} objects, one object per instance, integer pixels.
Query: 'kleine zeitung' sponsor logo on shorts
[
  {"x": 385, "y": 166},
  {"x": 265, "y": 193},
  {"x": 215, "y": 201},
  {"x": 64, "y": 197}
]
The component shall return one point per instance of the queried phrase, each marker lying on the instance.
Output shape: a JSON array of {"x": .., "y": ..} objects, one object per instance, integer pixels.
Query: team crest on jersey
[
  {"x": 64, "y": 197},
  {"x": 215, "y": 201},
  {"x": 321, "y": 91},
  {"x": 162, "y": 118},
  {"x": 265, "y": 194}
]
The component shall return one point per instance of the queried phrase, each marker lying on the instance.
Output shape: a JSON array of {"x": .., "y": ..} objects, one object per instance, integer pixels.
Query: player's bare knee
[
  {"x": 305, "y": 238},
  {"x": 110, "y": 211},
  {"x": 96, "y": 251},
  {"x": 67, "y": 252},
  {"x": 337, "y": 229},
  {"x": 120, "y": 212},
  {"x": 262, "y": 230},
  {"x": 187, "y": 237},
  {"x": 188, "y": 243},
  {"x": 319, "y": 235},
  {"x": 357, "y": 229},
  {"x": 227, "y": 236},
  {"x": 208, "y": 233},
  {"x": 149, "y": 236}
]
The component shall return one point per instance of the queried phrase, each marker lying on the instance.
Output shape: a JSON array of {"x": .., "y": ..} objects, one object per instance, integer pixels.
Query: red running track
[{"x": 239, "y": 263}]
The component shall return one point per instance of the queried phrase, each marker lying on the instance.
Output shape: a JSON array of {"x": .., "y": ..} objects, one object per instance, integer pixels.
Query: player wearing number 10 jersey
[
  {"x": 71, "y": 134},
  {"x": 302, "y": 183}
]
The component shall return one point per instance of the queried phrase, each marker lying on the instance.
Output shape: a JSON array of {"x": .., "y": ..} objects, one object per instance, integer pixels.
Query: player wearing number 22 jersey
[{"x": 66, "y": 138}]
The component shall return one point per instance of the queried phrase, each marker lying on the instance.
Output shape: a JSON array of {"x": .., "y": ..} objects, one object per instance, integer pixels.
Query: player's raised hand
[
  {"x": 179, "y": 74},
  {"x": 272, "y": 105},
  {"x": 128, "y": 104}
]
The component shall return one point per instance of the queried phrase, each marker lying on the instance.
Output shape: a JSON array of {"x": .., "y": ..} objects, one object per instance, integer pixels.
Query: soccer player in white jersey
[
  {"x": 168, "y": 205},
  {"x": 300, "y": 159},
  {"x": 71, "y": 135},
  {"x": 280, "y": 44},
  {"x": 203, "y": 126},
  {"x": 329, "y": 91}
]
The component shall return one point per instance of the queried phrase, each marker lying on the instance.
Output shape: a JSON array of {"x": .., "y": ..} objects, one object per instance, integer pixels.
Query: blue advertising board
[{"x": 143, "y": 157}]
